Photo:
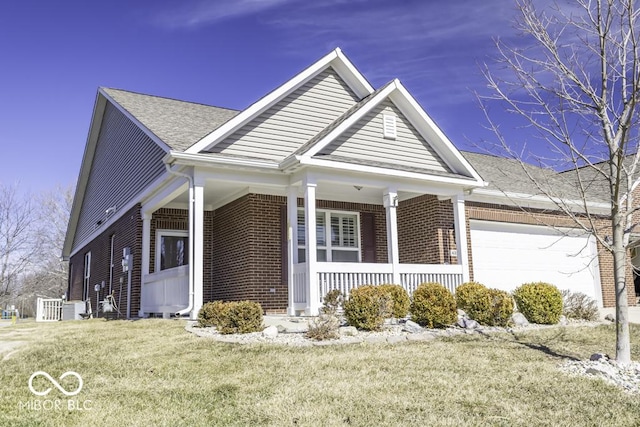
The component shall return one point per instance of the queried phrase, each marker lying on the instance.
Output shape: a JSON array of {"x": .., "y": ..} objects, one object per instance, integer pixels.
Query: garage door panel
[{"x": 506, "y": 255}]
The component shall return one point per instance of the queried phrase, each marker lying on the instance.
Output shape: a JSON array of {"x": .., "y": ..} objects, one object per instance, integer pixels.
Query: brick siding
[{"x": 127, "y": 232}]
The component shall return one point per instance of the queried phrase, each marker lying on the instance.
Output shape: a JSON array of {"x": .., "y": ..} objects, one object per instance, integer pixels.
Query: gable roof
[
  {"x": 179, "y": 124},
  {"x": 335, "y": 59}
]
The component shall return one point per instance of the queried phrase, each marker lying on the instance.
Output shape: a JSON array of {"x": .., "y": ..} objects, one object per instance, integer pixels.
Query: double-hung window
[
  {"x": 172, "y": 249},
  {"x": 337, "y": 236}
]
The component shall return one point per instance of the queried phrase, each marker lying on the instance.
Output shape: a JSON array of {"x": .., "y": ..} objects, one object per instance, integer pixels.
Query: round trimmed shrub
[
  {"x": 211, "y": 313},
  {"x": 367, "y": 307},
  {"x": 400, "y": 298},
  {"x": 433, "y": 306},
  {"x": 501, "y": 307},
  {"x": 242, "y": 317},
  {"x": 475, "y": 299},
  {"x": 539, "y": 302}
]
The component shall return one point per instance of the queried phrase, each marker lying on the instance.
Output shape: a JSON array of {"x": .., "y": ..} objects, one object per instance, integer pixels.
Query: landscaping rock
[
  {"x": 466, "y": 323},
  {"x": 270, "y": 332},
  {"x": 462, "y": 313},
  {"x": 563, "y": 321},
  {"x": 599, "y": 356},
  {"x": 281, "y": 329},
  {"x": 518, "y": 319},
  {"x": 348, "y": 331},
  {"x": 610, "y": 317},
  {"x": 412, "y": 327}
]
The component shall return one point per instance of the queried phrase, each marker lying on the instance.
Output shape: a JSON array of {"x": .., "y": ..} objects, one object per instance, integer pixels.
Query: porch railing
[
  {"x": 166, "y": 291},
  {"x": 48, "y": 309},
  {"x": 347, "y": 276}
]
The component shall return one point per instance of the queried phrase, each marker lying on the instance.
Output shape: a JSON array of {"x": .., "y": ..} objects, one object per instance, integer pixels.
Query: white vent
[{"x": 389, "y": 126}]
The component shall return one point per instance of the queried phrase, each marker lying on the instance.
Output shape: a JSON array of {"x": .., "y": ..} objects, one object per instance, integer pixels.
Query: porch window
[
  {"x": 172, "y": 249},
  {"x": 337, "y": 236}
]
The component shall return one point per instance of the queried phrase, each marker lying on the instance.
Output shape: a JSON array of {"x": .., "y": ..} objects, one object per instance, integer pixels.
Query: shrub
[
  {"x": 433, "y": 306},
  {"x": 579, "y": 306},
  {"x": 400, "y": 298},
  {"x": 367, "y": 307},
  {"x": 323, "y": 327},
  {"x": 475, "y": 299},
  {"x": 332, "y": 301},
  {"x": 234, "y": 317},
  {"x": 539, "y": 302},
  {"x": 211, "y": 313},
  {"x": 501, "y": 307}
]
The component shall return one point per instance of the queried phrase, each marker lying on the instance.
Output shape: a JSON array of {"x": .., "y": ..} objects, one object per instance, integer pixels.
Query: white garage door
[{"x": 508, "y": 255}]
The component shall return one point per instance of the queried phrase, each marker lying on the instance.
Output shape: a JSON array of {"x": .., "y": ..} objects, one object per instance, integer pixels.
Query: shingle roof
[
  {"x": 506, "y": 175},
  {"x": 179, "y": 124}
]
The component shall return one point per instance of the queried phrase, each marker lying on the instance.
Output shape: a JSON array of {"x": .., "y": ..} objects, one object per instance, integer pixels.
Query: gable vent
[{"x": 389, "y": 126}]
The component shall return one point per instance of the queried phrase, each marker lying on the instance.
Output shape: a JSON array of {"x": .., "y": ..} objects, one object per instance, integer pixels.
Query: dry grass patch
[{"x": 152, "y": 372}]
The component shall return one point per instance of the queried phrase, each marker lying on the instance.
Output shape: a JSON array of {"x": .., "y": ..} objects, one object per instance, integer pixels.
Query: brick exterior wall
[
  {"x": 426, "y": 231},
  {"x": 127, "y": 232},
  {"x": 491, "y": 212}
]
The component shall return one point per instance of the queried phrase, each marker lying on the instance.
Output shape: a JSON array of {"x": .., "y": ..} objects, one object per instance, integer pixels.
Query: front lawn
[{"x": 153, "y": 373}]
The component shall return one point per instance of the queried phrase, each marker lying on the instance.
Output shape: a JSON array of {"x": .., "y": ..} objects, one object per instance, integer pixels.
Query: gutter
[{"x": 191, "y": 239}]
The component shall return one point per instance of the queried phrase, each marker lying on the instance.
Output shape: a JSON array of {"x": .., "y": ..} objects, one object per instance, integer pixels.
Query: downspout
[{"x": 191, "y": 239}]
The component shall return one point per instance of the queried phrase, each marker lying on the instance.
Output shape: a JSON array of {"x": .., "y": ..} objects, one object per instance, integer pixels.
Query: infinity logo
[{"x": 55, "y": 383}]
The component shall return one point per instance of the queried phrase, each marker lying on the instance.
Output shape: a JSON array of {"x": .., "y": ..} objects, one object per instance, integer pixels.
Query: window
[
  {"x": 337, "y": 242},
  {"x": 86, "y": 276},
  {"x": 172, "y": 249}
]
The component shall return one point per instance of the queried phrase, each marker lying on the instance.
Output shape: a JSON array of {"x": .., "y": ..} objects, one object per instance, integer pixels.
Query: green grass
[{"x": 153, "y": 373}]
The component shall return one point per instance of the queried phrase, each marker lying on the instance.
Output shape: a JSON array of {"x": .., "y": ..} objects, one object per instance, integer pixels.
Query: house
[{"x": 180, "y": 203}]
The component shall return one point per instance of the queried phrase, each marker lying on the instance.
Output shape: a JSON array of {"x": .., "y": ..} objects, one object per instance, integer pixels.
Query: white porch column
[
  {"x": 461, "y": 235},
  {"x": 313, "y": 294},
  {"x": 146, "y": 254},
  {"x": 292, "y": 245},
  {"x": 198, "y": 244},
  {"x": 390, "y": 201}
]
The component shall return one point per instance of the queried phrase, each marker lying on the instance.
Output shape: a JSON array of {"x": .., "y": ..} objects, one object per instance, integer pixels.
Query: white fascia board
[
  {"x": 431, "y": 132},
  {"x": 483, "y": 195},
  {"x": 329, "y": 164},
  {"x": 334, "y": 58},
  {"x": 350, "y": 74},
  {"x": 190, "y": 159},
  {"x": 148, "y": 192},
  {"x": 83, "y": 177},
  {"x": 145, "y": 129},
  {"x": 352, "y": 120}
]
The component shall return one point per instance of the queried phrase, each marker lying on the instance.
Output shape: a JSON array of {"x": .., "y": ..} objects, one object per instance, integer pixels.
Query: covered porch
[{"x": 336, "y": 213}]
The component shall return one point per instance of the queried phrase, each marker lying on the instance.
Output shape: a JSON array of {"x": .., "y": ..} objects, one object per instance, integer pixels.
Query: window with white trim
[
  {"x": 172, "y": 249},
  {"x": 86, "y": 276},
  {"x": 337, "y": 236}
]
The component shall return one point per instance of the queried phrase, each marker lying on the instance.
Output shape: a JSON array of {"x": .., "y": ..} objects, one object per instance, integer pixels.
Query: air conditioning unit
[{"x": 72, "y": 310}]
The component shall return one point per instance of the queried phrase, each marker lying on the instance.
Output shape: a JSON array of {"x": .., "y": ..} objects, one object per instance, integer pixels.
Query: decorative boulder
[
  {"x": 270, "y": 332},
  {"x": 412, "y": 327},
  {"x": 610, "y": 317},
  {"x": 518, "y": 319}
]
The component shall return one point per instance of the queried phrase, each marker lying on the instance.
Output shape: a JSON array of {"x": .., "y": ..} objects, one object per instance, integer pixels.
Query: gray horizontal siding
[
  {"x": 295, "y": 119},
  {"x": 125, "y": 161},
  {"x": 365, "y": 141}
]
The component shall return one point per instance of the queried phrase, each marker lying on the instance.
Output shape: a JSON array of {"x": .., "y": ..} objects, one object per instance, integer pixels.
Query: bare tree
[
  {"x": 576, "y": 84},
  {"x": 16, "y": 245},
  {"x": 48, "y": 273}
]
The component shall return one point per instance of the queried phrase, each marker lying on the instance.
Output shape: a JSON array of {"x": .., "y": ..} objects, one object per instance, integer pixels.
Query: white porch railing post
[
  {"x": 292, "y": 245},
  {"x": 390, "y": 200},
  {"x": 198, "y": 244},
  {"x": 146, "y": 254},
  {"x": 461, "y": 235},
  {"x": 313, "y": 302}
]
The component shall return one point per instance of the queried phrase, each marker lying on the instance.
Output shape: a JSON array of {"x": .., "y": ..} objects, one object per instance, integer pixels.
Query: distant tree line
[{"x": 32, "y": 231}]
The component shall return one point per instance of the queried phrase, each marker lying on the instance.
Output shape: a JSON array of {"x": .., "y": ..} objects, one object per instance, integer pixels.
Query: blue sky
[{"x": 54, "y": 56}]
